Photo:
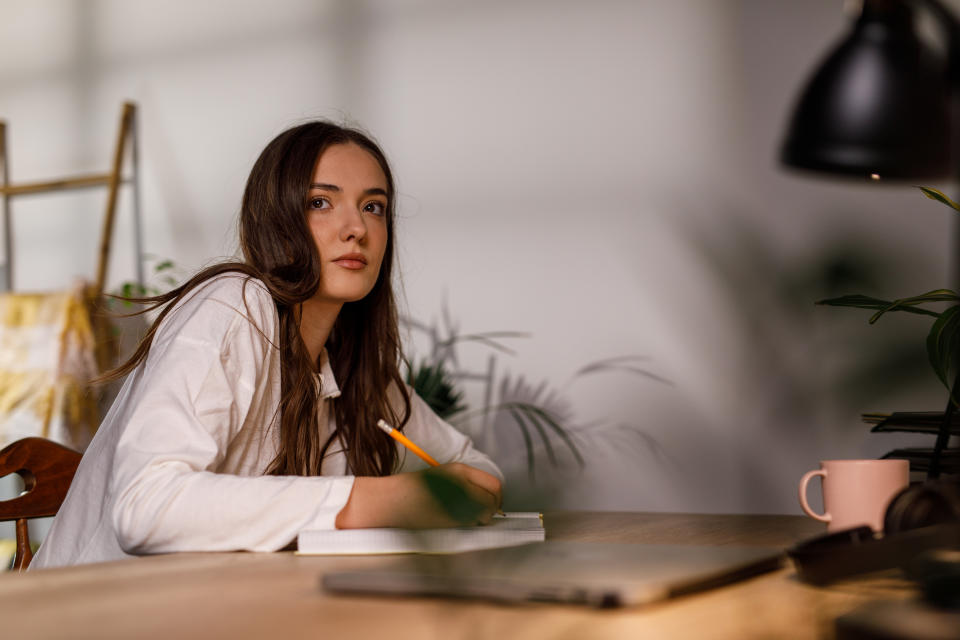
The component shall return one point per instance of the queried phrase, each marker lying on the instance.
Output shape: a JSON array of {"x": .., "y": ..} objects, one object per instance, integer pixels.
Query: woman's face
[{"x": 347, "y": 215}]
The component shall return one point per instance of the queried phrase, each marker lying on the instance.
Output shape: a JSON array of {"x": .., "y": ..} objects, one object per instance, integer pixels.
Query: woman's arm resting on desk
[
  {"x": 193, "y": 396},
  {"x": 405, "y": 500}
]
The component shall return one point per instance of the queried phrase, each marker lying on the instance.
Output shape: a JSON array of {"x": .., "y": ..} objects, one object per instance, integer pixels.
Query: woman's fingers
[
  {"x": 460, "y": 495},
  {"x": 475, "y": 476},
  {"x": 486, "y": 481},
  {"x": 482, "y": 488}
]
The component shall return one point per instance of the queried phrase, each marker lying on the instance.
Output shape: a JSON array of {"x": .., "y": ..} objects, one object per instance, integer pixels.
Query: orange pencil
[{"x": 407, "y": 442}]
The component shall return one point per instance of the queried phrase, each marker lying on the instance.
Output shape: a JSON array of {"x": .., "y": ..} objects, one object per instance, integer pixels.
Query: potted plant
[{"x": 943, "y": 346}]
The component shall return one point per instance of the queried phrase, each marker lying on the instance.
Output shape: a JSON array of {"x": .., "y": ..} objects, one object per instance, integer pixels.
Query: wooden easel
[{"x": 126, "y": 135}]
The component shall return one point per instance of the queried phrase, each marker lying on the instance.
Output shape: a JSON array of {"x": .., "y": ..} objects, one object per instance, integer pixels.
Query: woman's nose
[{"x": 353, "y": 226}]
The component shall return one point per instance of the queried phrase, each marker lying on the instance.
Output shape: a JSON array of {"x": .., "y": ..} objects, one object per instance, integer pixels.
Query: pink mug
[{"x": 855, "y": 492}]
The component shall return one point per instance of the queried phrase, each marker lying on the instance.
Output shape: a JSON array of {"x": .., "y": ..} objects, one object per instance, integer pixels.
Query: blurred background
[{"x": 601, "y": 177}]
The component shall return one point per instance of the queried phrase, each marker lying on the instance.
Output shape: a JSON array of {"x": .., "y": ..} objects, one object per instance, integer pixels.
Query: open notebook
[{"x": 503, "y": 531}]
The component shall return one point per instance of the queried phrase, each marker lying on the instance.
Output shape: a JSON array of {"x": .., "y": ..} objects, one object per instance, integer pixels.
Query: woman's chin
[{"x": 343, "y": 296}]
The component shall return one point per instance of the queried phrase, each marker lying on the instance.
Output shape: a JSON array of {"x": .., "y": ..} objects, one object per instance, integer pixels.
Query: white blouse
[{"x": 178, "y": 463}]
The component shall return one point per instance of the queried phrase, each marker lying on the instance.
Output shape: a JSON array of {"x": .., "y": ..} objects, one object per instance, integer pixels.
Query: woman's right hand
[{"x": 407, "y": 499}]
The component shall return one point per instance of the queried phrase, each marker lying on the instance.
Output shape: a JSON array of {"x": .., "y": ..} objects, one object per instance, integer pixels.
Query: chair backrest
[{"x": 47, "y": 469}]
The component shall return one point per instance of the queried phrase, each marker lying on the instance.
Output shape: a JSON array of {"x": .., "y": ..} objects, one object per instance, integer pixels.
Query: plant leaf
[
  {"x": 942, "y": 343},
  {"x": 434, "y": 385},
  {"x": 939, "y": 196},
  {"x": 855, "y": 300},
  {"x": 882, "y": 306},
  {"x": 625, "y": 364},
  {"x": 602, "y": 367},
  {"x": 528, "y": 443},
  {"x": 530, "y": 409},
  {"x": 486, "y": 339},
  {"x": 937, "y": 295},
  {"x": 518, "y": 416}
]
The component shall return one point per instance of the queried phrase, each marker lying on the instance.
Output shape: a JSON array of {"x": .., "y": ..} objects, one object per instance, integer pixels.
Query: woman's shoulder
[
  {"x": 235, "y": 287},
  {"x": 221, "y": 302}
]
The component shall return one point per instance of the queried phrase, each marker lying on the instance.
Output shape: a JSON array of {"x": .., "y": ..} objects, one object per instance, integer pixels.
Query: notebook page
[{"x": 503, "y": 531}]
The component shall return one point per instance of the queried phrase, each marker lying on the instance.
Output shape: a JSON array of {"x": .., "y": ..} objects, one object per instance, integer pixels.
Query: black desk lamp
[
  {"x": 883, "y": 105},
  {"x": 880, "y": 104}
]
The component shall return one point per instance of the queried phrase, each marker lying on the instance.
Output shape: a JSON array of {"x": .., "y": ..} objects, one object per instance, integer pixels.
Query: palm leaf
[
  {"x": 626, "y": 369},
  {"x": 486, "y": 339},
  {"x": 537, "y": 412},
  {"x": 528, "y": 443},
  {"x": 538, "y": 417},
  {"x": 434, "y": 385},
  {"x": 518, "y": 417}
]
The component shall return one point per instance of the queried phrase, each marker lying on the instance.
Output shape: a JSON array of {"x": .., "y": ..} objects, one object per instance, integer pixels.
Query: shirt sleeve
[
  {"x": 208, "y": 363},
  {"x": 440, "y": 439}
]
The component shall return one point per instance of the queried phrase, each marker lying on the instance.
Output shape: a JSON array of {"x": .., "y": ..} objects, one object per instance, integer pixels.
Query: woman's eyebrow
[{"x": 372, "y": 191}]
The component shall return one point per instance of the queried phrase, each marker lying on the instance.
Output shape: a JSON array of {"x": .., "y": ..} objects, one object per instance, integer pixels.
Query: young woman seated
[{"x": 250, "y": 408}]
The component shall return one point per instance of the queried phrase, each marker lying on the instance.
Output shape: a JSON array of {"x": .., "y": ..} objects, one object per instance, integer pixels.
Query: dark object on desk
[
  {"x": 852, "y": 552},
  {"x": 923, "y": 517},
  {"x": 922, "y": 537},
  {"x": 938, "y": 573},
  {"x": 923, "y": 504},
  {"x": 898, "y": 620},
  {"x": 594, "y": 574}
]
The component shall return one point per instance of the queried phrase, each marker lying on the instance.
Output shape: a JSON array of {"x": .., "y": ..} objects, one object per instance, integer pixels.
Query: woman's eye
[
  {"x": 376, "y": 208},
  {"x": 319, "y": 203}
]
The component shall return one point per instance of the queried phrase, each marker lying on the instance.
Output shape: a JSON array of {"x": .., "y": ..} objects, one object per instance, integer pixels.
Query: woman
[{"x": 250, "y": 408}]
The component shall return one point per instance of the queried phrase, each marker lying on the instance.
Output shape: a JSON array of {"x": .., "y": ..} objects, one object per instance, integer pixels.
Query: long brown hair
[{"x": 364, "y": 344}]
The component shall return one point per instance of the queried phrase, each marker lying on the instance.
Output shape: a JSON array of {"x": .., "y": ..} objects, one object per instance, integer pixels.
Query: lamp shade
[{"x": 878, "y": 105}]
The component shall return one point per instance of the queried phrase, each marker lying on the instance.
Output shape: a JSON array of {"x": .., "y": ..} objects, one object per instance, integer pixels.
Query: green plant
[
  {"x": 434, "y": 380},
  {"x": 943, "y": 339},
  {"x": 162, "y": 279},
  {"x": 538, "y": 412},
  {"x": 943, "y": 343},
  {"x": 433, "y": 384}
]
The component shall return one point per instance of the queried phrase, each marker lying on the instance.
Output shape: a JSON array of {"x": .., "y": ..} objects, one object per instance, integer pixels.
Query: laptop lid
[{"x": 596, "y": 574}]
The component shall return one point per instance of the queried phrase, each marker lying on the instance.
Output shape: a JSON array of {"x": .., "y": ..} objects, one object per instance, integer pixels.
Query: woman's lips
[{"x": 353, "y": 261}]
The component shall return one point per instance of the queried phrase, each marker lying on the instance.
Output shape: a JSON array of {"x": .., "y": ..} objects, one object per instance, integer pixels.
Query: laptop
[{"x": 594, "y": 574}]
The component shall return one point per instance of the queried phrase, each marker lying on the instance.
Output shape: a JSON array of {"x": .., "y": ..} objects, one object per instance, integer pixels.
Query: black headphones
[
  {"x": 921, "y": 536},
  {"x": 922, "y": 505}
]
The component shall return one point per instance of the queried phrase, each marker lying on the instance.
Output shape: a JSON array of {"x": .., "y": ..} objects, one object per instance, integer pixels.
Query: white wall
[{"x": 599, "y": 174}]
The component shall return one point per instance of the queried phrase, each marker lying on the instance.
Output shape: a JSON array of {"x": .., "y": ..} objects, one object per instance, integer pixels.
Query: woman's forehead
[{"x": 350, "y": 164}]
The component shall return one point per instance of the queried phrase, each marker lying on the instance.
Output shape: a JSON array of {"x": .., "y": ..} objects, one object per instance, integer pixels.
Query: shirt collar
[{"x": 328, "y": 383}]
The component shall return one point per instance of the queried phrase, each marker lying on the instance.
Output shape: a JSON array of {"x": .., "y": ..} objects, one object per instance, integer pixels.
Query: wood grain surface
[{"x": 253, "y": 595}]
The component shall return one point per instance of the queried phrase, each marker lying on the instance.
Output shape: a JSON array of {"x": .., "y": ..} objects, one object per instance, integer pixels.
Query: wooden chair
[{"x": 47, "y": 469}]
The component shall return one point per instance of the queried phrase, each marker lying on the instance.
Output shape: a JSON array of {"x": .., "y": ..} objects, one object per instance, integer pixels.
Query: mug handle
[{"x": 804, "y": 481}]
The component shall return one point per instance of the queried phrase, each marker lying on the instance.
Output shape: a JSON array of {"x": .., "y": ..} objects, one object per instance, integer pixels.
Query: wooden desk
[{"x": 252, "y": 595}]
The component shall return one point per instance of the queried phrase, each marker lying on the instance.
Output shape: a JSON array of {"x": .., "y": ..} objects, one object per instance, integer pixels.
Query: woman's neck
[{"x": 316, "y": 323}]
